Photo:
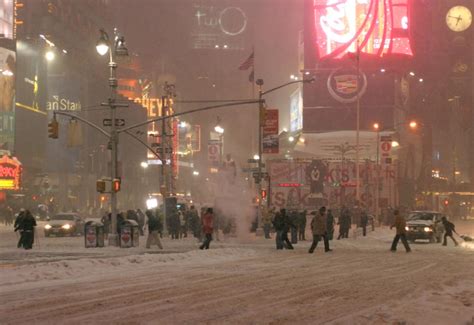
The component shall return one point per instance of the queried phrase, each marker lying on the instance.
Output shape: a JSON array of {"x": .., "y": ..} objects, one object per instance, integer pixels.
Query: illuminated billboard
[
  {"x": 381, "y": 27},
  {"x": 10, "y": 173}
]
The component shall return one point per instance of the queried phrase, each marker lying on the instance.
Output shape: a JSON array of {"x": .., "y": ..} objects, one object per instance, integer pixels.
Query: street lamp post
[
  {"x": 376, "y": 127},
  {"x": 261, "y": 121},
  {"x": 119, "y": 49}
]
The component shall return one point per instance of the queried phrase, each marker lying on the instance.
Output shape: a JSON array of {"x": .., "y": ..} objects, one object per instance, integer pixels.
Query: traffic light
[
  {"x": 116, "y": 185},
  {"x": 53, "y": 129},
  {"x": 264, "y": 194},
  {"x": 100, "y": 186},
  {"x": 446, "y": 202}
]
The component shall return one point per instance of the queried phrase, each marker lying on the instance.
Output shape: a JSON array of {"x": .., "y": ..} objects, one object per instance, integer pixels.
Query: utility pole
[
  {"x": 358, "y": 126},
  {"x": 261, "y": 121}
]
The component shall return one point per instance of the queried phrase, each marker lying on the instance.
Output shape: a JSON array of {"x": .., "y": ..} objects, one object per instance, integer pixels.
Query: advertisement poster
[
  {"x": 270, "y": 132},
  {"x": 308, "y": 184},
  {"x": 7, "y": 98}
]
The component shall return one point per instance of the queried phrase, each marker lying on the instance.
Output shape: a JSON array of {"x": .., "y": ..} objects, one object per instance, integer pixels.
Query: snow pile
[
  {"x": 97, "y": 267},
  {"x": 448, "y": 305}
]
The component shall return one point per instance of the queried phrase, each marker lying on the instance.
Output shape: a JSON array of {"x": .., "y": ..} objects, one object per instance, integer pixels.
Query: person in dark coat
[
  {"x": 174, "y": 224},
  {"x": 400, "y": 224},
  {"x": 294, "y": 220},
  {"x": 302, "y": 225},
  {"x": 207, "y": 228},
  {"x": 141, "y": 221},
  {"x": 364, "y": 220},
  {"x": 344, "y": 223},
  {"x": 330, "y": 224},
  {"x": 27, "y": 227},
  {"x": 106, "y": 222},
  {"x": 154, "y": 227},
  {"x": 319, "y": 228},
  {"x": 17, "y": 227},
  {"x": 448, "y": 231},
  {"x": 282, "y": 225}
]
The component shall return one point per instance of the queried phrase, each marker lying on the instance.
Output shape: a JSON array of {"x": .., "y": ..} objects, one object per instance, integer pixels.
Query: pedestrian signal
[
  {"x": 100, "y": 186},
  {"x": 116, "y": 185},
  {"x": 53, "y": 129}
]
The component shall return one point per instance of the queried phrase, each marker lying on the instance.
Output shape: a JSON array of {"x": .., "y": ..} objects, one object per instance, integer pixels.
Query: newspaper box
[
  {"x": 93, "y": 234},
  {"x": 129, "y": 234}
]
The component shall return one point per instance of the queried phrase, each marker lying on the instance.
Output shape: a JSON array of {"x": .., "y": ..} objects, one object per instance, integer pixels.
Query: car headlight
[
  {"x": 66, "y": 226},
  {"x": 406, "y": 228},
  {"x": 427, "y": 229},
  {"x": 47, "y": 227}
]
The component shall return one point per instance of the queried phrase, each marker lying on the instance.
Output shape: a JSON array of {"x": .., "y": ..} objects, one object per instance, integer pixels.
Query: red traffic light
[
  {"x": 116, "y": 185},
  {"x": 446, "y": 202},
  {"x": 264, "y": 194}
]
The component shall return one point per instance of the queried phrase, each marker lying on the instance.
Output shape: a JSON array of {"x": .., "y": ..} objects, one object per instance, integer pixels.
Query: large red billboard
[{"x": 376, "y": 27}]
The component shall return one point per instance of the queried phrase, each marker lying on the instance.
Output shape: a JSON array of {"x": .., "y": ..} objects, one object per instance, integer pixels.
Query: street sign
[
  {"x": 264, "y": 174},
  {"x": 118, "y": 122},
  {"x": 249, "y": 170}
]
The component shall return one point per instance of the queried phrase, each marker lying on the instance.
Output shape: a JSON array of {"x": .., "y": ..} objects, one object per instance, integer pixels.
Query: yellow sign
[
  {"x": 154, "y": 106},
  {"x": 7, "y": 184}
]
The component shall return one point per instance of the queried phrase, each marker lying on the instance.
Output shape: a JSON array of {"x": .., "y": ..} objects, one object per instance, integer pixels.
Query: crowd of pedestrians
[{"x": 289, "y": 226}]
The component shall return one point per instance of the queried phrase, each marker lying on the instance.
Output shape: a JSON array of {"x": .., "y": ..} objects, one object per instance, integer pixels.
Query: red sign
[
  {"x": 386, "y": 146},
  {"x": 10, "y": 173},
  {"x": 270, "y": 132},
  {"x": 380, "y": 27}
]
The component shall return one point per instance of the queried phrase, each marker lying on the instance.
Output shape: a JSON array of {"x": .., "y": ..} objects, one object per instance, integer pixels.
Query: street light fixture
[
  {"x": 102, "y": 46},
  {"x": 413, "y": 125},
  {"x": 291, "y": 138},
  {"x": 49, "y": 55}
]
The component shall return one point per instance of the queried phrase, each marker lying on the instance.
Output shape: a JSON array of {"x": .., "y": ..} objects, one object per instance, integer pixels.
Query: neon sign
[
  {"x": 10, "y": 172},
  {"x": 381, "y": 27}
]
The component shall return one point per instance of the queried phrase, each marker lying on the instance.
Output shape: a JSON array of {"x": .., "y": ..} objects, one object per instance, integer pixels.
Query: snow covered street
[{"x": 237, "y": 282}]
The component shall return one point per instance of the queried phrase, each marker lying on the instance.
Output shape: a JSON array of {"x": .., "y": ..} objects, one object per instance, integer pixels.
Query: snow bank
[{"x": 95, "y": 268}]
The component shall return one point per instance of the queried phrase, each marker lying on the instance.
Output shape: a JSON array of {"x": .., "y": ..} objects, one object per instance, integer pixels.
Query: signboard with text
[
  {"x": 10, "y": 173},
  {"x": 270, "y": 132}
]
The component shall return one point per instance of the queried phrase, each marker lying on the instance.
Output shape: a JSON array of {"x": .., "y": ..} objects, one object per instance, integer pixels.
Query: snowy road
[{"x": 360, "y": 282}]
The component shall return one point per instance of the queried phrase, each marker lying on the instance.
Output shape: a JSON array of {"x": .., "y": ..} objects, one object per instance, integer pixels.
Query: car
[
  {"x": 64, "y": 224},
  {"x": 425, "y": 225}
]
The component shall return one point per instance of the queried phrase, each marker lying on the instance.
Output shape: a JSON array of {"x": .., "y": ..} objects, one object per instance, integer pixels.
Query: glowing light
[
  {"x": 420, "y": 80},
  {"x": 49, "y": 55},
  {"x": 151, "y": 203},
  {"x": 395, "y": 144},
  {"x": 102, "y": 48},
  {"x": 413, "y": 125},
  {"x": 382, "y": 70},
  {"x": 182, "y": 124},
  {"x": 381, "y": 27},
  {"x": 376, "y": 126},
  {"x": 291, "y": 139},
  {"x": 144, "y": 164},
  {"x": 411, "y": 73},
  {"x": 302, "y": 140},
  {"x": 195, "y": 173},
  {"x": 256, "y": 157},
  {"x": 219, "y": 129}
]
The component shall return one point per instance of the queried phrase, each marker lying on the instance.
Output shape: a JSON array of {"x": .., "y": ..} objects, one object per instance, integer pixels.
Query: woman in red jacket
[{"x": 207, "y": 228}]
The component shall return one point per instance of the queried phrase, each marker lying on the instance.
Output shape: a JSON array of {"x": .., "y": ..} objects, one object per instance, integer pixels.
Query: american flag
[{"x": 247, "y": 63}]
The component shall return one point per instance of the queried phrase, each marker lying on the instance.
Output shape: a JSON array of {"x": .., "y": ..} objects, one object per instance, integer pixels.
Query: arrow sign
[{"x": 118, "y": 122}]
